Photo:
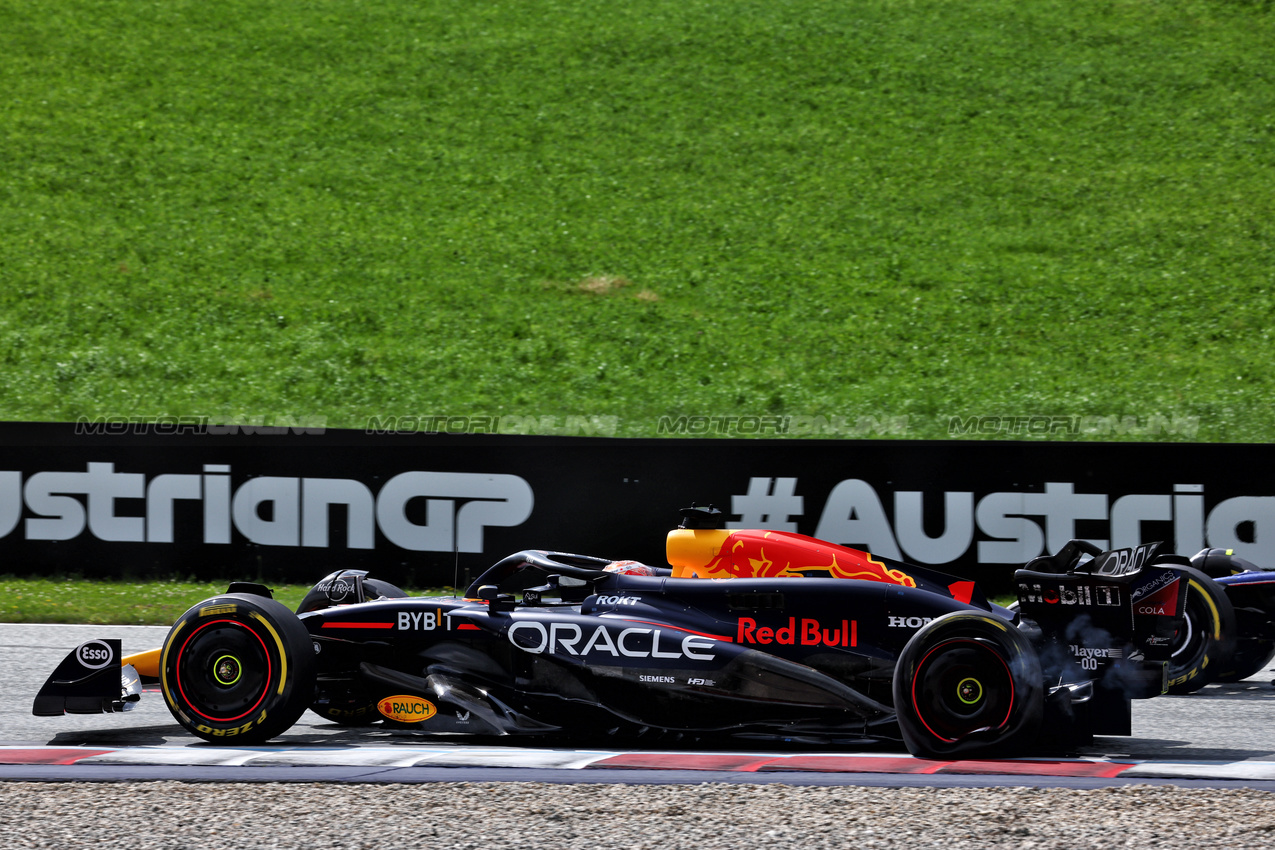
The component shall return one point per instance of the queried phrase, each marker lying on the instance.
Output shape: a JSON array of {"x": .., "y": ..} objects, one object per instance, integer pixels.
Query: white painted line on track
[
  {"x": 1202, "y": 770},
  {"x": 185, "y": 756},
  {"x": 343, "y": 757},
  {"x": 563, "y": 760}
]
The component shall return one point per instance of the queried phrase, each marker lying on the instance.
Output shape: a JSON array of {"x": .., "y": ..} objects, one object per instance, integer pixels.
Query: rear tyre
[
  {"x": 237, "y": 669},
  {"x": 1204, "y": 644},
  {"x": 968, "y": 684}
]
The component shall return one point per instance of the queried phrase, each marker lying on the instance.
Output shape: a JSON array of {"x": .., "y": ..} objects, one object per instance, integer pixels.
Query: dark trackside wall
[{"x": 413, "y": 508}]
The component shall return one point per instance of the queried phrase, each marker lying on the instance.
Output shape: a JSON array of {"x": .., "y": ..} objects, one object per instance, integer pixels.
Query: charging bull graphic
[{"x": 759, "y": 553}]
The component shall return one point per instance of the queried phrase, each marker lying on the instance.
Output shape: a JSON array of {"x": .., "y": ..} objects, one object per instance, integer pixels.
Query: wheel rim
[
  {"x": 1192, "y": 638},
  {"x": 962, "y": 686},
  {"x": 969, "y": 691},
  {"x": 1185, "y": 639},
  {"x": 227, "y": 670},
  {"x": 223, "y": 671}
]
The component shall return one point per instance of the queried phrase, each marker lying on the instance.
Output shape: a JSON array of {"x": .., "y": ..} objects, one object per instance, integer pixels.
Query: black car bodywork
[{"x": 568, "y": 647}]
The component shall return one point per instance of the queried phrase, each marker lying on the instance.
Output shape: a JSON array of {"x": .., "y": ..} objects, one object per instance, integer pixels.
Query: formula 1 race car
[
  {"x": 1228, "y": 630},
  {"x": 798, "y": 640}
]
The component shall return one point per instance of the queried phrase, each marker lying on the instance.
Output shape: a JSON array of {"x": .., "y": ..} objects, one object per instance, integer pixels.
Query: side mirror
[{"x": 496, "y": 601}]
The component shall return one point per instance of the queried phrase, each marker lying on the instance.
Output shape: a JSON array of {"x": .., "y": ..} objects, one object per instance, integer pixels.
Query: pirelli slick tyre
[
  {"x": 968, "y": 684},
  {"x": 237, "y": 669},
  {"x": 1250, "y": 658},
  {"x": 1203, "y": 646}
]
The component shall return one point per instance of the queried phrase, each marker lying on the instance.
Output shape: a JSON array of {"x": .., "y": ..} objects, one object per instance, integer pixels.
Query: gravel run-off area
[{"x": 194, "y": 815}]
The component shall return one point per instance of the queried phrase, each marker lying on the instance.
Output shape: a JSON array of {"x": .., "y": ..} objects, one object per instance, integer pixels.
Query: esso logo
[{"x": 94, "y": 654}]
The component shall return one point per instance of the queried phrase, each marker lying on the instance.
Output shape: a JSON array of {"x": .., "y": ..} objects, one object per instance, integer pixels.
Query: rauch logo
[{"x": 407, "y": 709}]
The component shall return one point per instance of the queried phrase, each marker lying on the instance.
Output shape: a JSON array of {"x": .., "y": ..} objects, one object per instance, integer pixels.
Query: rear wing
[
  {"x": 91, "y": 680},
  {"x": 1104, "y": 607}
]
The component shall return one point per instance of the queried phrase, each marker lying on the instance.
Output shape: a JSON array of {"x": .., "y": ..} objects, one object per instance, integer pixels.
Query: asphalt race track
[{"x": 1221, "y": 735}]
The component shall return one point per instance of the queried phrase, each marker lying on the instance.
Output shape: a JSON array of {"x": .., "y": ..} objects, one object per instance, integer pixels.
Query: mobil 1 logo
[{"x": 1083, "y": 595}]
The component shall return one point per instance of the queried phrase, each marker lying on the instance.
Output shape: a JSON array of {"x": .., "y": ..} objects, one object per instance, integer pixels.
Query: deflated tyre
[
  {"x": 968, "y": 684},
  {"x": 237, "y": 669}
]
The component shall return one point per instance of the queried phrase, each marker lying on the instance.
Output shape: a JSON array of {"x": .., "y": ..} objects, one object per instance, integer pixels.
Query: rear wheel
[
  {"x": 237, "y": 669},
  {"x": 968, "y": 684},
  {"x": 1250, "y": 658},
  {"x": 1205, "y": 642}
]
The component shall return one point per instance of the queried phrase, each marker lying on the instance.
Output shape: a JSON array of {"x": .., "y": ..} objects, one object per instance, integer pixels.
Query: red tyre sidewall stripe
[
  {"x": 178, "y": 666},
  {"x": 921, "y": 665}
]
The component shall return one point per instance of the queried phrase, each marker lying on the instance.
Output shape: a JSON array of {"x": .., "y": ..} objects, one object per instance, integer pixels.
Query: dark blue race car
[
  {"x": 744, "y": 636},
  {"x": 1228, "y": 632}
]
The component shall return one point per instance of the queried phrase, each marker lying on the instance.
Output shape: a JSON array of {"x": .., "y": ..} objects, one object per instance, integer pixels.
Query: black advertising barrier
[{"x": 292, "y": 504}]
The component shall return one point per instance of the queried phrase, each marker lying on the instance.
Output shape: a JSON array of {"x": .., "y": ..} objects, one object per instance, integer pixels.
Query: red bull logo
[
  {"x": 803, "y": 633},
  {"x": 756, "y": 553}
]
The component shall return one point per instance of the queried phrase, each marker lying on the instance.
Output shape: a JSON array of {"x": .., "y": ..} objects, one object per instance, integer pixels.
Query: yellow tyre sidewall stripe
[
  {"x": 163, "y": 663},
  {"x": 1217, "y": 615},
  {"x": 278, "y": 642},
  {"x": 172, "y": 638}
]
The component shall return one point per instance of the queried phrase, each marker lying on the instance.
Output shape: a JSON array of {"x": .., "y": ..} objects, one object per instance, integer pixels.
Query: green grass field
[
  {"x": 349, "y": 210},
  {"x": 130, "y": 603},
  {"x": 135, "y": 603}
]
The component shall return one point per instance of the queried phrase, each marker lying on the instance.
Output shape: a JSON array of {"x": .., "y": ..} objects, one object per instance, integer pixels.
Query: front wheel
[
  {"x": 1203, "y": 645},
  {"x": 968, "y": 684},
  {"x": 238, "y": 668},
  {"x": 1251, "y": 657}
]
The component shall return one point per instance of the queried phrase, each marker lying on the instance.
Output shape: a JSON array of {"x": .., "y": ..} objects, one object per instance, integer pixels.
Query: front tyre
[
  {"x": 1250, "y": 658},
  {"x": 1205, "y": 642},
  {"x": 238, "y": 669},
  {"x": 968, "y": 684}
]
